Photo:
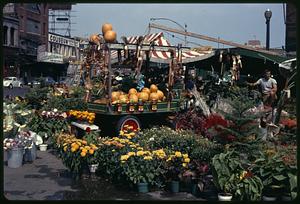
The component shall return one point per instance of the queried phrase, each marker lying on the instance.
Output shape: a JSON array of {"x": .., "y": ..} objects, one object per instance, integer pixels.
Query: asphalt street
[{"x": 15, "y": 91}]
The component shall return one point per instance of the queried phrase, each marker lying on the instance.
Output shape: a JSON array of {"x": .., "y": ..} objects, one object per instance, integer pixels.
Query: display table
[{"x": 79, "y": 129}]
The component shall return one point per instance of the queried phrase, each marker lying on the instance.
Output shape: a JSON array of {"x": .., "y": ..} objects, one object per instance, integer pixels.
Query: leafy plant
[
  {"x": 37, "y": 97},
  {"x": 233, "y": 175}
]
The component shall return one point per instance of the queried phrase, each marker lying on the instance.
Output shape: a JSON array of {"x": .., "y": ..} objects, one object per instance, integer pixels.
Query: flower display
[
  {"x": 24, "y": 139},
  {"x": 82, "y": 115}
]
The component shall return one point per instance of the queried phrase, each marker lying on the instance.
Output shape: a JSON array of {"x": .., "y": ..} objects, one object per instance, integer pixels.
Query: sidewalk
[{"x": 47, "y": 179}]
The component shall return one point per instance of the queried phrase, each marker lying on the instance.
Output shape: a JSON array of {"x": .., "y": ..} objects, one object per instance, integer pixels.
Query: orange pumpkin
[
  {"x": 106, "y": 27},
  {"x": 115, "y": 95},
  {"x": 132, "y": 91},
  {"x": 160, "y": 94},
  {"x": 144, "y": 96},
  {"x": 147, "y": 90},
  {"x": 133, "y": 98},
  {"x": 95, "y": 38},
  {"x": 154, "y": 96},
  {"x": 153, "y": 88},
  {"x": 123, "y": 98},
  {"x": 110, "y": 36}
]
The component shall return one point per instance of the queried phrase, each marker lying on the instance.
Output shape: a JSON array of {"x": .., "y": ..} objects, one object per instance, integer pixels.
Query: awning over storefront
[{"x": 164, "y": 56}]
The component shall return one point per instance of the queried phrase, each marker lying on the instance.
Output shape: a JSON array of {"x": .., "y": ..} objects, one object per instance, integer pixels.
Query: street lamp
[
  {"x": 183, "y": 28},
  {"x": 268, "y": 15}
]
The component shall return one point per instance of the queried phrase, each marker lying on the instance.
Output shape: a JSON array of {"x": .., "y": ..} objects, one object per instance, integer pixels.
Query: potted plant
[
  {"x": 277, "y": 169},
  {"x": 176, "y": 164},
  {"x": 142, "y": 168},
  {"x": 234, "y": 177}
]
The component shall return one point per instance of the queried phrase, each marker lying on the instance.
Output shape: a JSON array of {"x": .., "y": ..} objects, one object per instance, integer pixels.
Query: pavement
[{"x": 48, "y": 179}]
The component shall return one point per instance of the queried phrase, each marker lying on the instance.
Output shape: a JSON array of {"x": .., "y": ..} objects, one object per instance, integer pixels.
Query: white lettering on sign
[
  {"x": 50, "y": 57},
  {"x": 62, "y": 40}
]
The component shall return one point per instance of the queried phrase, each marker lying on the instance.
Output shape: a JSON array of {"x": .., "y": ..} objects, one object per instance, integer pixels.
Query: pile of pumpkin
[
  {"x": 134, "y": 96},
  {"x": 109, "y": 35}
]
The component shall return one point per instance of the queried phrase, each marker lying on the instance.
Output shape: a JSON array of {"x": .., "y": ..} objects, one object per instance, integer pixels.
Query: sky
[{"x": 232, "y": 22}]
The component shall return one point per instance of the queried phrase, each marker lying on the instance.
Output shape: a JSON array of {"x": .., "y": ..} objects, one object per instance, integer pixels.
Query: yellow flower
[
  {"x": 84, "y": 150},
  {"x": 147, "y": 158},
  {"x": 184, "y": 164},
  {"x": 121, "y": 133},
  {"x": 83, "y": 154},
  {"x": 65, "y": 148},
  {"x": 124, "y": 157},
  {"x": 113, "y": 150},
  {"x": 91, "y": 151},
  {"x": 243, "y": 174},
  {"x": 73, "y": 149},
  {"x": 131, "y": 153},
  {"x": 132, "y": 146},
  {"x": 178, "y": 154},
  {"x": 139, "y": 148},
  {"x": 132, "y": 134},
  {"x": 185, "y": 156},
  {"x": 187, "y": 160},
  {"x": 140, "y": 153}
]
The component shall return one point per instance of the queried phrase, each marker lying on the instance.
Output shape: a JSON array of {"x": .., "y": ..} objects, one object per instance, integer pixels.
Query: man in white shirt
[{"x": 268, "y": 87}]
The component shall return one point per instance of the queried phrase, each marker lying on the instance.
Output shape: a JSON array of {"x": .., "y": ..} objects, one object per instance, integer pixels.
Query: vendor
[{"x": 268, "y": 88}]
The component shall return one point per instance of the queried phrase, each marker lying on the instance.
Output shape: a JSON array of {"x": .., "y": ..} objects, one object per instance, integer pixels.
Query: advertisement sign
[
  {"x": 50, "y": 57},
  {"x": 62, "y": 40}
]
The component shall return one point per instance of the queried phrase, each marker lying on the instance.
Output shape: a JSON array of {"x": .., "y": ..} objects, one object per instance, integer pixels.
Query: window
[
  {"x": 12, "y": 36},
  {"x": 33, "y": 7},
  {"x": 44, "y": 28},
  {"x": 33, "y": 26},
  {"x": 5, "y": 34}
]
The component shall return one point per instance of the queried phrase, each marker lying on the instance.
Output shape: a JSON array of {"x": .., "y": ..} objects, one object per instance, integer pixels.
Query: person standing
[{"x": 268, "y": 88}]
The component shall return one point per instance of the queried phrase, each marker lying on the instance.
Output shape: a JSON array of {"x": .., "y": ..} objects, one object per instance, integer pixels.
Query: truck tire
[{"x": 128, "y": 120}]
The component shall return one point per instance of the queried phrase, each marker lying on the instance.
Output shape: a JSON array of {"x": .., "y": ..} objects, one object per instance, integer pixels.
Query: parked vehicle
[
  {"x": 34, "y": 82},
  {"x": 48, "y": 81},
  {"x": 12, "y": 82}
]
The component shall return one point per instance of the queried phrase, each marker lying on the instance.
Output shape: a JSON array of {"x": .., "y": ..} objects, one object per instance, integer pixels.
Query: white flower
[
  {"x": 151, "y": 139},
  {"x": 55, "y": 110}
]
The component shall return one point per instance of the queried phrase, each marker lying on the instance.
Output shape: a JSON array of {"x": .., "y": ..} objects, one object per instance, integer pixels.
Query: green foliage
[
  {"x": 37, "y": 97},
  {"x": 243, "y": 125},
  {"x": 92, "y": 137},
  {"x": 233, "y": 175},
  {"x": 184, "y": 141},
  {"x": 277, "y": 172},
  {"x": 47, "y": 127},
  {"x": 65, "y": 104}
]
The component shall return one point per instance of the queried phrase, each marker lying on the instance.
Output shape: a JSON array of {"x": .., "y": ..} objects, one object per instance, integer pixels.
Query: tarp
[{"x": 163, "y": 56}]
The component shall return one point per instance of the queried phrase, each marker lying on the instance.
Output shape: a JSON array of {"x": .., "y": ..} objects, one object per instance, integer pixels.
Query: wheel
[
  {"x": 21, "y": 85},
  {"x": 11, "y": 86},
  {"x": 128, "y": 120}
]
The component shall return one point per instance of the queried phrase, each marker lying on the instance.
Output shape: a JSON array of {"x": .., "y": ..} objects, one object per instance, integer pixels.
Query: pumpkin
[
  {"x": 154, "y": 96},
  {"x": 110, "y": 36},
  {"x": 106, "y": 27},
  {"x": 147, "y": 90},
  {"x": 160, "y": 94},
  {"x": 115, "y": 95},
  {"x": 123, "y": 98},
  {"x": 95, "y": 39},
  {"x": 153, "y": 88},
  {"x": 144, "y": 96},
  {"x": 133, "y": 98},
  {"x": 132, "y": 91}
]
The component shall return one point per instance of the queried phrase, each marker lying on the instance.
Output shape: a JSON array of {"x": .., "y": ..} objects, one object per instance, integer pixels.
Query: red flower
[
  {"x": 249, "y": 174},
  {"x": 230, "y": 138},
  {"x": 88, "y": 129},
  {"x": 214, "y": 120}
]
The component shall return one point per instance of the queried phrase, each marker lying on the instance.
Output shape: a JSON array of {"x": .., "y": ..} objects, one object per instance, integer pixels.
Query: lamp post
[
  {"x": 268, "y": 15},
  {"x": 183, "y": 28}
]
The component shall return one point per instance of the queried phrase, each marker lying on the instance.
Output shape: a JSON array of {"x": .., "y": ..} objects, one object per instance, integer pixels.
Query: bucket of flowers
[
  {"x": 176, "y": 164},
  {"x": 143, "y": 168}
]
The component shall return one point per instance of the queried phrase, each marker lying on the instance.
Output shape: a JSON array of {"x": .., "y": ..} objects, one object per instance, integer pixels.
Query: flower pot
[
  {"x": 268, "y": 198},
  {"x": 43, "y": 147},
  {"x": 194, "y": 189},
  {"x": 30, "y": 154},
  {"x": 225, "y": 196},
  {"x": 15, "y": 157},
  {"x": 143, "y": 187},
  {"x": 93, "y": 167},
  {"x": 175, "y": 186}
]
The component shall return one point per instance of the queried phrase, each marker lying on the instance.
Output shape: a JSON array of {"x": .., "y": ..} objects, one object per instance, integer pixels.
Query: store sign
[
  {"x": 50, "y": 57},
  {"x": 62, "y": 40}
]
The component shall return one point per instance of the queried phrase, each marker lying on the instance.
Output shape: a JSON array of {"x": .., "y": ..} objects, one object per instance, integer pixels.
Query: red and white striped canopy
[{"x": 164, "y": 56}]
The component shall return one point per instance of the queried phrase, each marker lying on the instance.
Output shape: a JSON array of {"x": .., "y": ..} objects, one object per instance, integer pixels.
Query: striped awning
[{"x": 163, "y": 56}]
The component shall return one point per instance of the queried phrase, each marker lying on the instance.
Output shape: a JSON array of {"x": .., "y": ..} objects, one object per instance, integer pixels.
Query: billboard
[{"x": 50, "y": 57}]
